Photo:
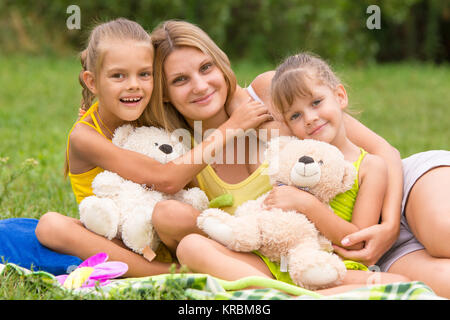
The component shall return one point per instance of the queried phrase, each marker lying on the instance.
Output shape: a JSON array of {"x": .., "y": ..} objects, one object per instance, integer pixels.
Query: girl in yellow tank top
[{"x": 316, "y": 112}]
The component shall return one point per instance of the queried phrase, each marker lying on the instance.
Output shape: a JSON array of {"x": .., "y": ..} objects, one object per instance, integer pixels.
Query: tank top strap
[
  {"x": 357, "y": 163},
  {"x": 253, "y": 94}
]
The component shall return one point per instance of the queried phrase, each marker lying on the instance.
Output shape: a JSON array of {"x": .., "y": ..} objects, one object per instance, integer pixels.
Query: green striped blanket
[{"x": 206, "y": 287}]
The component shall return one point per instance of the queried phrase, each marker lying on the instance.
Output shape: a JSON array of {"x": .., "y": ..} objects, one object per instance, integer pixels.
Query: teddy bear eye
[
  {"x": 156, "y": 143},
  {"x": 320, "y": 162}
]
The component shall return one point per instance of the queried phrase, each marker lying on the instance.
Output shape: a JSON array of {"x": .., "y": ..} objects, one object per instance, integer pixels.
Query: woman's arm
[{"x": 93, "y": 149}]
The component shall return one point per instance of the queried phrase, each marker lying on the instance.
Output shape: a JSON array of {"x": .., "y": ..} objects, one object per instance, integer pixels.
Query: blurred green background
[{"x": 264, "y": 30}]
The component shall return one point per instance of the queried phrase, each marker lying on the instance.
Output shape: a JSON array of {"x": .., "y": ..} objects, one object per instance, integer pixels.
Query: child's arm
[
  {"x": 372, "y": 189},
  {"x": 328, "y": 223},
  {"x": 94, "y": 150}
]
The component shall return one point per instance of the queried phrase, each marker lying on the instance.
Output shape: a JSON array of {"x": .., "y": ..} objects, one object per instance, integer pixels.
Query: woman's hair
[
  {"x": 167, "y": 37},
  {"x": 294, "y": 76},
  {"x": 92, "y": 57}
]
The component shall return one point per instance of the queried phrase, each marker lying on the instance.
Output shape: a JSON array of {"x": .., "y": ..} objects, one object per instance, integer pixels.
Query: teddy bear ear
[
  {"x": 275, "y": 145},
  {"x": 121, "y": 134},
  {"x": 349, "y": 176}
]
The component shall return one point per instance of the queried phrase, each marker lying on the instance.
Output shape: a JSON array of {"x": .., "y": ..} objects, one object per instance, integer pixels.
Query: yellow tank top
[
  {"x": 81, "y": 182},
  {"x": 251, "y": 188},
  {"x": 343, "y": 203}
]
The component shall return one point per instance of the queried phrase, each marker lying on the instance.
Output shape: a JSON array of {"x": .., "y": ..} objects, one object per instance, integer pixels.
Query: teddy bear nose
[
  {"x": 306, "y": 160},
  {"x": 166, "y": 148}
]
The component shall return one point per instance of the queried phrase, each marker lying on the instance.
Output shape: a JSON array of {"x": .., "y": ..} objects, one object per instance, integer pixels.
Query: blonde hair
[
  {"x": 91, "y": 58},
  {"x": 167, "y": 37},
  {"x": 294, "y": 76}
]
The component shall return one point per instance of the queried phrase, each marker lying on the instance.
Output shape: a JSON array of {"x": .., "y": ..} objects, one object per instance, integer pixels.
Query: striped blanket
[{"x": 206, "y": 287}]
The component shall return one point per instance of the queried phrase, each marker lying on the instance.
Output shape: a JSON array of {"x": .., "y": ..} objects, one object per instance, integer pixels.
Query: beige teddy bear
[
  {"x": 121, "y": 208},
  {"x": 288, "y": 237}
]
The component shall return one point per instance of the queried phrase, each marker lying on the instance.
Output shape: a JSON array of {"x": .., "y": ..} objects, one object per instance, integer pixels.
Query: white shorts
[{"x": 414, "y": 167}]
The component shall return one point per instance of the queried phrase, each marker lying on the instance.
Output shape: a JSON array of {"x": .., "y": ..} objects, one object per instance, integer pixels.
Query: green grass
[{"x": 39, "y": 98}]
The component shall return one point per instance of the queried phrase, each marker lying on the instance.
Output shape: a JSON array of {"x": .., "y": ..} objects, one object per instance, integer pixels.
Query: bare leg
[
  {"x": 173, "y": 220},
  {"x": 67, "y": 235},
  {"x": 204, "y": 255},
  {"x": 428, "y": 211},
  {"x": 421, "y": 266}
]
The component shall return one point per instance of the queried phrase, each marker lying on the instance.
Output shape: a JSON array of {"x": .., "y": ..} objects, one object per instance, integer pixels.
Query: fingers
[
  {"x": 356, "y": 255},
  {"x": 356, "y": 237}
]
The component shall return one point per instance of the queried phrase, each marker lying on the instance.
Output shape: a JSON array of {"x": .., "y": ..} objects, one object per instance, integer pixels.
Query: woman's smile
[{"x": 206, "y": 99}]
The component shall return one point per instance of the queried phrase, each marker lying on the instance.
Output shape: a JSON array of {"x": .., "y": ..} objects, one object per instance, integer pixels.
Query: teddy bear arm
[
  {"x": 240, "y": 234},
  {"x": 193, "y": 196}
]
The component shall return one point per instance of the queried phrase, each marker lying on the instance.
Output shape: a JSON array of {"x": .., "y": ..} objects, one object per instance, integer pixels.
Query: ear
[
  {"x": 89, "y": 81},
  {"x": 349, "y": 176},
  {"x": 341, "y": 96}
]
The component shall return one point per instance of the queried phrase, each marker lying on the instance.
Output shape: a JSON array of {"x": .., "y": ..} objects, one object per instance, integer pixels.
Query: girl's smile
[{"x": 317, "y": 129}]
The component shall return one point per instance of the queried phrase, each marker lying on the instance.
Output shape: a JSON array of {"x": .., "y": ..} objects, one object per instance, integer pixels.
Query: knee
[
  {"x": 191, "y": 248},
  {"x": 48, "y": 226},
  {"x": 172, "y": 214}
]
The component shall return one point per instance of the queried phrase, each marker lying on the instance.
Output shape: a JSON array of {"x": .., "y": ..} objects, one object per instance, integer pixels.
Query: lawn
[{"x": 407, "y": 104}]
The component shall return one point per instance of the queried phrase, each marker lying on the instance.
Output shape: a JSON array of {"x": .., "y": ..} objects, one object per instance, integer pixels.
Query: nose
[
  {"x": 133, "y": 83},
  {"x": 200, "y": 84},
  {"x": 166, "y": 148},
  {"x": 306, "y": 160},
  {"x": 310, "y": 116}
]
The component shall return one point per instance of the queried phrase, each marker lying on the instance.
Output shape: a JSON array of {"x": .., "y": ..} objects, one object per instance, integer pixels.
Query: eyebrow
[
  {"x": 114, "y": 68},
  {"x": 177, "y": 74}
]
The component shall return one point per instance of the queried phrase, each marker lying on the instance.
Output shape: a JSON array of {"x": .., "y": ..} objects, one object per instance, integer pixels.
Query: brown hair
[
  {"x": 293, "y": 78},
  {"x": 91, "y": 58},
  {"x": 167, "y": 37}
]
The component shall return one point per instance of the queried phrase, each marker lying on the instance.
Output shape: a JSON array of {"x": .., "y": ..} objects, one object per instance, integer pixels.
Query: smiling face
[
  {"x": 318, "y": 115},
  {"x": 195, "y": 86},
  {"x": 124, "y": 81}
]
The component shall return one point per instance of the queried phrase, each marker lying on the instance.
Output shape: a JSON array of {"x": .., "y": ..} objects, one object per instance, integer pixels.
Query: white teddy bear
[
  {"x": 121, "y": 208},
  {"x": 288, "y": 237}
]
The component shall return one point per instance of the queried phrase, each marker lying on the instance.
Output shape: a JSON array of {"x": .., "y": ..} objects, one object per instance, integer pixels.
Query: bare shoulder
[
  {"x": 261, "y": 84},
  {"x": 373, "y": 164},
  {"x": 82, "y": 136}
]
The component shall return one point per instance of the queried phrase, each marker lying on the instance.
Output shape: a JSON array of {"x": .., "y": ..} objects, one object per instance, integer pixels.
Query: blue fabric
[{"x": 19, "y": 245}]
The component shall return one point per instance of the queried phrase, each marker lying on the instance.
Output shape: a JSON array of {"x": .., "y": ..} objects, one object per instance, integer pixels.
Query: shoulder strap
[{"x": 253, "y": 94}]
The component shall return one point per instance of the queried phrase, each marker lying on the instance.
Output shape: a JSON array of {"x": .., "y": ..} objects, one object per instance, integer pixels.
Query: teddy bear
[
  {"x": 288, "y": 237},
  {"x": 122, "y": 208}
]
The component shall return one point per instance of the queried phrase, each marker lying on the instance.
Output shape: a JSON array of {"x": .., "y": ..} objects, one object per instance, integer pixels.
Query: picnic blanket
[{"x": 206, "y": 287}]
